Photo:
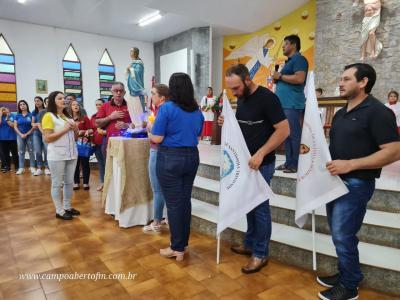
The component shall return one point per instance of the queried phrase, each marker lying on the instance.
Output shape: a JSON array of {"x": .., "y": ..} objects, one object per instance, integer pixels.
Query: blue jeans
[
  {"x": 176, "y": 169},
  {"x": 22, "y": 145},
  {"x": 39, "y": 147},
  {"x": 101, "y": 161},
  {"x": 259, "y": 221},
  {"x": 345, "y": 217},
  {"x": 292, "y": 143},
  {"x": 158, "y": 196}
]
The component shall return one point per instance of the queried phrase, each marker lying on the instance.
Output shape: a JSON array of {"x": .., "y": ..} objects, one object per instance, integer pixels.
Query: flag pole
[
  {"x": 314, "y": 252},
  {"x": 218, "y": 247}
]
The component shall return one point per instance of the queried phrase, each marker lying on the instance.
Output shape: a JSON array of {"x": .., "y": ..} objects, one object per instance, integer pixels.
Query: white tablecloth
[{"x": 137, "y": 215}]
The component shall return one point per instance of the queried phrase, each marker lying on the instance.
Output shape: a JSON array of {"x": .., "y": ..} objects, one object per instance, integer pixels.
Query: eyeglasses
[{"x": 118, "y": 91}]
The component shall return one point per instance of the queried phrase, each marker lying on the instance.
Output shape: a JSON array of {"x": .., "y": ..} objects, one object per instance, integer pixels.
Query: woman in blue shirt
[
  {"x": 8, "y": 141},
  {"x": 23, "y": 128},
  {"x": 38, "y": 144},
  {"x": 177, "y": 130}
]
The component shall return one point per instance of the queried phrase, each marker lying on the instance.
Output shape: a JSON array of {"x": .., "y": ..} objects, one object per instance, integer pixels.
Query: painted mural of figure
[
  {"x": 134, "y": 74},
  {"x": 258, "y": 49},
  {"x": 371, "y": 46}
]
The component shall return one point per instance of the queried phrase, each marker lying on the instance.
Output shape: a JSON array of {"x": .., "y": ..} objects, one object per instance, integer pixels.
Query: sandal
[{"x": 151, "y": 228}]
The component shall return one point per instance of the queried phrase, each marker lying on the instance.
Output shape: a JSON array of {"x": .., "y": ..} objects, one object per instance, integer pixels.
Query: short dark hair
[
  {"x": 70, "y": 95},
  {"x": 362, "y": 71},
  {"x": 239, "y": 70},
  {"x": 52, "y": 107},
  {"x": 181, "y": 92},
  {"x": 321, "y": 91},
  {"x": 100, "y": 99},
  {"x": 210, "y": 88},
  {"x": 393, "y": 92},
  {"x": 294, "y": 39},
  {"x": 26, "y": 103},
  {"x": 162, "y": 90}
]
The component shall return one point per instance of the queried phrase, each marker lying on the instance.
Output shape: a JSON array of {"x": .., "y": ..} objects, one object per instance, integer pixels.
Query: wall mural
[
  {"x": 8, "y": 85},
  {"x": 72, "y": 73},
  {"x": 106, "y": 75},
  {"x": 260, "y": 51}
]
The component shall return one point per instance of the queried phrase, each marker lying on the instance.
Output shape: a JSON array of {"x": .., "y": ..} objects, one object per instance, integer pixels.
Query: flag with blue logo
[
  {"x": 315, "y": 185},
  {"x": 242, "y": 188}
]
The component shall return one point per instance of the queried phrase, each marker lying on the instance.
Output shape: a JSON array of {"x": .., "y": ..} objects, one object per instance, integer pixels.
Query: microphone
[{"x": 276, "y": 68}]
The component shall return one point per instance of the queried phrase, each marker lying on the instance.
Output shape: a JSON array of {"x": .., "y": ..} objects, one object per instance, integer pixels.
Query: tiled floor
[{"x": 32, "y": 240}]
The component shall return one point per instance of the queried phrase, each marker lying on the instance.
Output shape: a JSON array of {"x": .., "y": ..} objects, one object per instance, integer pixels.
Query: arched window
[
  {"x": 72, "y": 74},
  {"x": 8, "y": 83},
  {"x": 106, "y": 75}
]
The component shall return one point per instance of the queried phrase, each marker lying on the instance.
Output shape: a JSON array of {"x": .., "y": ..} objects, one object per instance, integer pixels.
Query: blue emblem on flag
[{"x": 227, "y": 165}]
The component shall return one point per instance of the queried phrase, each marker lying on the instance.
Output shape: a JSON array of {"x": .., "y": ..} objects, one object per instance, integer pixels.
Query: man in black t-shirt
[
  {"x": 264, "y": 127},
  {"x": 363, "y": 139}
]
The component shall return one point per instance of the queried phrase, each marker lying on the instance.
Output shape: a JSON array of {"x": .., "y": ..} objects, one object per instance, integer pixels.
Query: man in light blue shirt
[{"x": 290, "y": 83}]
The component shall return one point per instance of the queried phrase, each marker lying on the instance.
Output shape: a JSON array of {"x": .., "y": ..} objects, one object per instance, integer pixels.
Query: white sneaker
[
  {"x": 33, "y": 170},
  {"x": 20, "y": 171},
  {"x": 38, "y": 172},
  {"x": 47, "y": 171}
]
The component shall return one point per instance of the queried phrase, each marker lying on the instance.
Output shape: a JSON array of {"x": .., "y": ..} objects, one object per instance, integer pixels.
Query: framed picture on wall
[{"x": 41, "y": 86}]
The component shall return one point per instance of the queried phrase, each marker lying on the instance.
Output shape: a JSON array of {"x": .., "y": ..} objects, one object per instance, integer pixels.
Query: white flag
[
  {"x": 242, "y": 188},
  {"x": 315, "y": 186}
]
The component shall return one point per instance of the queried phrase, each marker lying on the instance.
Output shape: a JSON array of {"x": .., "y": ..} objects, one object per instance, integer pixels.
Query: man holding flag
[
  {"x": 264, "y": 127},
  {"x": 363, "y": 139}
]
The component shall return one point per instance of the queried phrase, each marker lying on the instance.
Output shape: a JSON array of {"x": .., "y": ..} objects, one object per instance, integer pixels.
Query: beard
[
  {"x": 349, "y": 94},
  {"x": 246, "y": 91}
]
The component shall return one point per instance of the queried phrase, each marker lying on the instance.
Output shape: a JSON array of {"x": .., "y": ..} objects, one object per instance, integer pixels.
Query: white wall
[
  {"x": 216, "y": 67},
  {"x": 173, "y": 62},
  {"x": 39, "y": 51}
]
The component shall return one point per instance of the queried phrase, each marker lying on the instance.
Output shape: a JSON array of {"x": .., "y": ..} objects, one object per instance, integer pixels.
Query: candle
[{"x": 152, "y": 118}]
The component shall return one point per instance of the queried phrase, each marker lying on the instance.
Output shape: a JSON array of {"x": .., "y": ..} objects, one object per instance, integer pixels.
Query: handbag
[{"x": 85, "y": 148}]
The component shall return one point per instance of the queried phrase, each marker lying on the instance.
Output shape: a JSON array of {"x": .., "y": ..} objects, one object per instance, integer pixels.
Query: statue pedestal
[{"x": 135, "y": 110}]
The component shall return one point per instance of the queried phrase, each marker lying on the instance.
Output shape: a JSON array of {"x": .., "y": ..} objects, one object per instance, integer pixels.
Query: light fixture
[
  {"x": 21, "y": 1},
  {"x": 150, "y": 18}
]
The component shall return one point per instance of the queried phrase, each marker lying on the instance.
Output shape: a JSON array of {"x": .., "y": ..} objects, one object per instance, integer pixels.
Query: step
[
  {"x": 381, "y": 228},
  {"x": 294, "y": 245},
  {"x": 285, "y": 184}
]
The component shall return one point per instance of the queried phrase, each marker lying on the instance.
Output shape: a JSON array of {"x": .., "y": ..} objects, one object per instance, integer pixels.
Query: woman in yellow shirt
[{"x": 60, "y": 133}]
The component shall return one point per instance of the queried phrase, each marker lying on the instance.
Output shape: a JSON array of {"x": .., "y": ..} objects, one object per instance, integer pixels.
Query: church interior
[{"x": 91, "y": 87}]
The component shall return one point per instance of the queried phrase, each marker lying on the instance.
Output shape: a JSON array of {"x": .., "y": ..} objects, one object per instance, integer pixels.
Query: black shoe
[
  {"x": 65, "y": 216},
  {"x": 73, "y": 212},
  {"x": 339, "y": 292},
  {"x": 290, "y": 170},
  {"x": 281, "y": 167},
  {"x": 328, "y": 281},
  {"x": 241, "y": 250}
]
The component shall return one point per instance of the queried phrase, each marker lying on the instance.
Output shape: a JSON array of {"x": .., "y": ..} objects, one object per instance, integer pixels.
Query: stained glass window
[
  {"x": 72, "y": 74},
  {"x": 8, "y": 86},
  {"x": 106, "y": 75}
]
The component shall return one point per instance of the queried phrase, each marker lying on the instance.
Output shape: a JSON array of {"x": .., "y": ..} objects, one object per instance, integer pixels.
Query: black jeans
[
  {"x": 176, "y": 169},
  {"x": 7, "y": 147},
  {"x": 84, "y": 162}
]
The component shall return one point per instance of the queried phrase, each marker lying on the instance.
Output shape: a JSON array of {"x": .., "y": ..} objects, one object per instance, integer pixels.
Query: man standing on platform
[
  {"x": 363, "y": 139},
  {"x": 114, "y": 115},
  {"x": 290, "y": 83},
  {"x": 264, "y": 128}
]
